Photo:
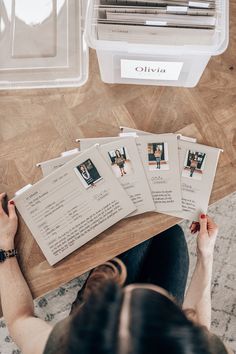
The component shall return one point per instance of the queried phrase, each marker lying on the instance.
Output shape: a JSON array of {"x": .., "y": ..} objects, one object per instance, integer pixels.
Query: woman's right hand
[{"x": 206, "y": 238}]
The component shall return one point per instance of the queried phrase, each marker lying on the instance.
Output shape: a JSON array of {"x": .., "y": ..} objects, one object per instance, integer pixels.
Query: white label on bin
[
  {"x": 150, "y": 70},
  {"x": 198, "y": 4},
  {"x": 177, "y": 9},
  {"x": 156, "y": 23}
]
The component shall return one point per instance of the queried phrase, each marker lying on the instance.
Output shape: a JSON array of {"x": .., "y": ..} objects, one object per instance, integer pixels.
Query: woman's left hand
[{"x": 8, "y": 224}]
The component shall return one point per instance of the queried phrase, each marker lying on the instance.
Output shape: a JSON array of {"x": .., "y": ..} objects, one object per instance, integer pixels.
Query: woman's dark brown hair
[
  {"x": 156, "y": 325},
  {"x": 118, "y": 153}
]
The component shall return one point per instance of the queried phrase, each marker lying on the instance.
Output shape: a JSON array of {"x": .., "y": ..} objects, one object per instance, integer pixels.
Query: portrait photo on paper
[
  {"x": 158, "y": 156},
  {"x": 120, "y": 162},
  {"x": 194, "y": 165},
  {"x": 88, "y": 174}
]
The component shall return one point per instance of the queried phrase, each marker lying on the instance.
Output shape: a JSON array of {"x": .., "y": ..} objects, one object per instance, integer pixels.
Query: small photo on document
[
  {"x": 120, "y": 162},
  {"x": 194, "y": 165},
  {"x": 158, "y": 157},
  {"x": 88, "y": 174}
]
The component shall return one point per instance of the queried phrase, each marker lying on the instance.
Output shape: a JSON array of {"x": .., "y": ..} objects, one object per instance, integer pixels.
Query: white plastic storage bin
[
  {"x": 42, "y": 43},
  {"x": 164, "y": 56}
]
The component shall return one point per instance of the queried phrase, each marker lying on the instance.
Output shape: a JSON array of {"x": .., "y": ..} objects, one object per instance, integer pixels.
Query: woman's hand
[
  {"x": 207, "y": 232},
  {"x": 8, "y": 224}
]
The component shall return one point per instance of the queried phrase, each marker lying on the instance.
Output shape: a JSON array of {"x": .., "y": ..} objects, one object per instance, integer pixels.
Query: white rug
[{"x": 56, "y": 305}]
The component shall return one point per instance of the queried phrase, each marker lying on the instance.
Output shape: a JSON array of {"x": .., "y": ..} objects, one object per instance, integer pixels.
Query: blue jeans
[{"x": 163, "y": 260}]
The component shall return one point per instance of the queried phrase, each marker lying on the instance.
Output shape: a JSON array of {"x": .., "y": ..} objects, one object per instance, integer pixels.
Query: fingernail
[
  {"x": 12, "y": 202},
  {"x": 203, "y": 216}
]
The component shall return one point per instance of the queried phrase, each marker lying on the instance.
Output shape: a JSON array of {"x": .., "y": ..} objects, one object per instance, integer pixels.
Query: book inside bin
[
  {"x": 45, "y": 43},
  {"x": 162, "y": 42}
]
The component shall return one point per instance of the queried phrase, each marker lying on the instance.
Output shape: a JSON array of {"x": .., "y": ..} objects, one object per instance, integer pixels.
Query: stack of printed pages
[
  {"x": 120, "y": 19},
  {"x": 85, "y": 191}
]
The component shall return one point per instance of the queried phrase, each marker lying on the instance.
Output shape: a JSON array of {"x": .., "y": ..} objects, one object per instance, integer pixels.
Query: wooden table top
[{"x": 37, "y": 125}]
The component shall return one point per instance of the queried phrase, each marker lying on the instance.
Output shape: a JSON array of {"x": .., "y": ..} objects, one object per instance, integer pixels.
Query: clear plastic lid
[{"x": 42, "y": 43}]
